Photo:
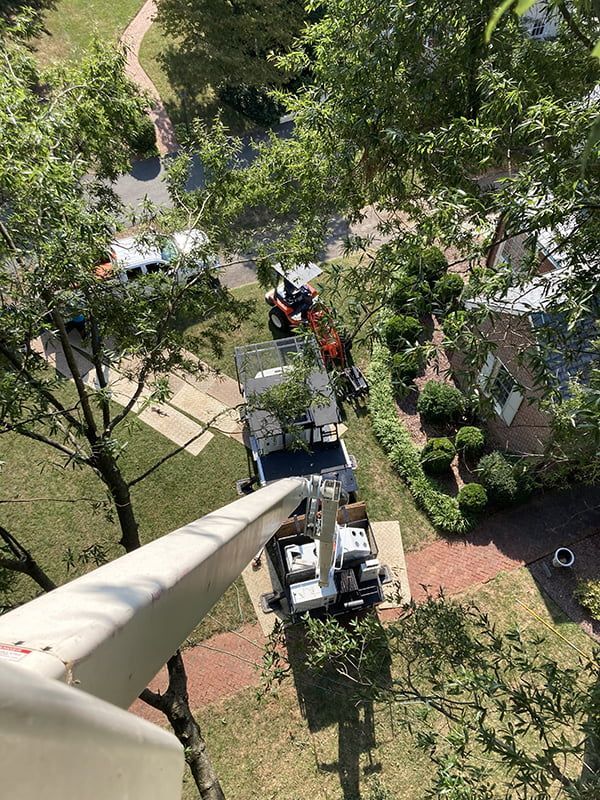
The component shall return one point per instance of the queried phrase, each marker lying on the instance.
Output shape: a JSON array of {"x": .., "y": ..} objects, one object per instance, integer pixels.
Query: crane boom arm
[{"x": 110, "y": 631}]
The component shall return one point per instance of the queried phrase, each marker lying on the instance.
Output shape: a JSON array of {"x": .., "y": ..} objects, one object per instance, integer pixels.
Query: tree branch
[{"x": 573, "y": 26}]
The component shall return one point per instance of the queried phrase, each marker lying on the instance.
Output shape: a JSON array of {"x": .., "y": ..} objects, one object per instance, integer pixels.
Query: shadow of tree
[
  {"x": 11, "y": 8},
  {"x": 325, "y": 700}
]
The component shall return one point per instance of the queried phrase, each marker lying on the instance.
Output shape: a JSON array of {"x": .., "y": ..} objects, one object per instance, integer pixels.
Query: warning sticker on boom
[{"x": 10, "y": 652}]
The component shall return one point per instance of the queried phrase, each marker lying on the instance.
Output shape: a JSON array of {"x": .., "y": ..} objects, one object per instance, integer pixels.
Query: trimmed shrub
[
  {"x": 472, "y": 498},
  {"x": 497, "y": 475},
  {"x": 437, "y": 455},
  {"x": 469, "y": 440},
  {"x": 400, "y": 330},
  {"x": 406, "y": 366},
  {"x": 143, "y": 141},
  {"x": 409, "y": 296},
  {"x": 404, "y": 292},
  {"x": 525, "y": 478},
  {"x": 440, "y": 403},
  {"x": 588, "y": 594},
  {"x": 442, "y": 510},
  {"x": 448, "y": 289},
  {"x": 429, "y": 264},
  {"x": 252, "y": 101}
]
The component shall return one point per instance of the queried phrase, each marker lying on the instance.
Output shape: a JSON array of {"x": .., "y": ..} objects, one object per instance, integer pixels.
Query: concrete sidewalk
[{"x": 182, "y": 419}]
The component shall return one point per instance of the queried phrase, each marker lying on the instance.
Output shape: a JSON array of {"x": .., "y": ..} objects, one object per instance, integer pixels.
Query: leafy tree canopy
[
  {"x": 219, "y": 43},
  {"x": 498, "y": 717}
]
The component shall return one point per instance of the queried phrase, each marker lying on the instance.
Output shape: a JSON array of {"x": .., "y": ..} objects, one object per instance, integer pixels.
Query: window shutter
[
  {"x": 511, "y": 406},
  {"x": 486, "y": 371}
]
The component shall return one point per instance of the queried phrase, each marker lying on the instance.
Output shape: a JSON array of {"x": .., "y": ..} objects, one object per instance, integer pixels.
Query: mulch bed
[{"x": 559, "y": 583}]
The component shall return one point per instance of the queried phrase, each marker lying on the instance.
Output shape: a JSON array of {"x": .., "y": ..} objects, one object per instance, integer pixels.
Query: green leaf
[
  {"x": 524, "y": 6},
  {"x": 495, "y": 18}
]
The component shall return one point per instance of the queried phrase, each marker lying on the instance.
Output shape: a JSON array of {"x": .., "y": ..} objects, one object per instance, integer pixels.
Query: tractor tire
[{"x": 279, "y": 320}]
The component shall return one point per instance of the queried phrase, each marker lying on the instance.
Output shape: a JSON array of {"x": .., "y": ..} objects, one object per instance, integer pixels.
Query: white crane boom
[{"x": 108, "y": 633}]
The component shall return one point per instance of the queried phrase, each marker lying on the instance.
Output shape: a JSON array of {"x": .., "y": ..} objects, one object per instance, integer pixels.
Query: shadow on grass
[{"x": 326, "y": 699}]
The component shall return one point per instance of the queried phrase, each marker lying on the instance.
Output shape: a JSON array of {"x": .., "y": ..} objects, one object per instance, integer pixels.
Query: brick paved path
[
  {"x": 218, "y": 668},
  {"x": 506, "y": 541},
  {"x": 226, "y": 663},
  {"x": 132, "y": 39}
]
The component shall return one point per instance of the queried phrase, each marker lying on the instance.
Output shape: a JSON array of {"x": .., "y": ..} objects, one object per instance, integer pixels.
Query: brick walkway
[
  {"x": 218, "y": 668},
  {"x": 506, "y": 541},
  {"x": 227, "y": 663},
  {"x": 132, "y": 39}
]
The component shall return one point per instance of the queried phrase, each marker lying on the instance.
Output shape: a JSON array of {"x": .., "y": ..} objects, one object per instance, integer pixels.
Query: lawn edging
[{"x": 442, "y": 510}]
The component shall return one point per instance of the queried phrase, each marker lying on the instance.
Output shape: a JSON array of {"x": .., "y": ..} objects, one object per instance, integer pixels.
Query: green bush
[
  {"x": 440, "y": 403},
  {"x": 525, "y": 478},
  {"x": 407, "y": 296},
  {"x": 588, "y": 594},
  {"x": 143, "y": 141},
  {"x": 437, "y": 455},
  {"x": 428, "y": 265},
  {"x": 448, "y": 289},
  {"x": 401, "y": 330},
  {"x": 472, "y": 498},
  {"x": 469, "y": 440},
  {"x": 497, "y": 475},
  {"x": 441, "y": 509},
  {"x": 252, "y": 101},
  {"x": 406, "y": 366}
]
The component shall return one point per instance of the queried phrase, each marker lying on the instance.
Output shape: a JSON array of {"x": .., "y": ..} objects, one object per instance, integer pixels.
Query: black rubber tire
[{"x": 279, "y": 320}]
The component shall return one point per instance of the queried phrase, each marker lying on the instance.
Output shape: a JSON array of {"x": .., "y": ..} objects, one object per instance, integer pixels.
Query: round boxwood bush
[
  {"x": 404, "y": 292},
  {"x": 472, "y": 498},
  {"x": 429, "y": 264},
  {"x": 400, "y": 330},
  {"x": 143, "y": 141},
  {"x": 437, "y": 455},
  {"x": 408, "y": 295},
  {"x": 469, "y": 440},
  {"x": 588, "y": 594},
  {"x": 406, "y": 366},
  {"x": 440, "y": 403},
  {"x": 497, "y": 475},
  {"x": 448, "y": 289}
]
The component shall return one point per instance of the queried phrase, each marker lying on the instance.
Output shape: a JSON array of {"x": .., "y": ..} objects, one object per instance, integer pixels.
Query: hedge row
[{"x": 442, "y": 510}]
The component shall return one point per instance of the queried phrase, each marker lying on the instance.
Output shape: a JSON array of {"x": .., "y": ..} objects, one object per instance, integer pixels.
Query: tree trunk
[
  {"x": 24, "y": 562},
  {"x": 119, "y": 490},
  {"x": 174, "y": 704}
]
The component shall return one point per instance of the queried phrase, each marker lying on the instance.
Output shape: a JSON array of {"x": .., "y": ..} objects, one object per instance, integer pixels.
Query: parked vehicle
[{"x": 131, "y": 259}]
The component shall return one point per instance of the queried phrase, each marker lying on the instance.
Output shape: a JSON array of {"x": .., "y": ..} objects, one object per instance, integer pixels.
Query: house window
[
  {"x": 502, "y": 385},
  {"x": 537, "y": 28},
  {"x": 497, "y": 383}
]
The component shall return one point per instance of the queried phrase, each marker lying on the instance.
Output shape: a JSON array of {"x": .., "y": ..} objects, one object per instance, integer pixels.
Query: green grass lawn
[
  {"x": 71, "y": 24},
  {"x": 341, "y": 749},
  {"x": 183, "y": 489},
  {"x": 205, "y": 105}
]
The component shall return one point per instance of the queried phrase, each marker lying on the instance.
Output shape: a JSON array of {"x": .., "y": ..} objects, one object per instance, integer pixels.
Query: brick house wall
[
  {"x": 515, "y": 250},
  {"x": 530, "y": 428}
]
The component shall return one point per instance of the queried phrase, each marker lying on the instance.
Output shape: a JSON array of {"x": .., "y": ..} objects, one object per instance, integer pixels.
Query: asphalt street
[{"x": 146, "y": 181}]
